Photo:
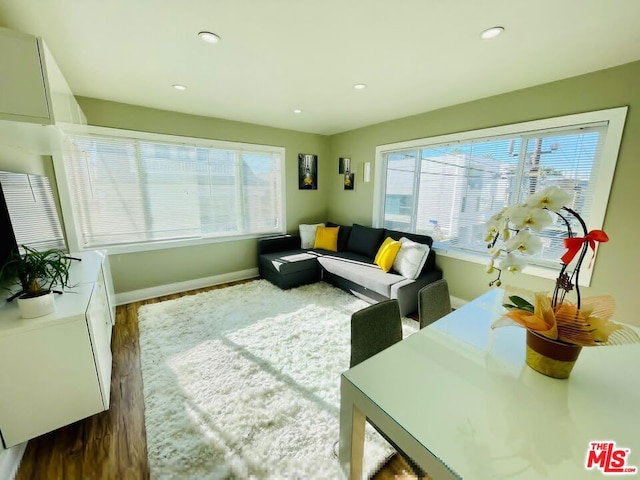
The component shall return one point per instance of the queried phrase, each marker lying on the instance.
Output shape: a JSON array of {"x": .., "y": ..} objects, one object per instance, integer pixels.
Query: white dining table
[{"x": 458, "y": 398}]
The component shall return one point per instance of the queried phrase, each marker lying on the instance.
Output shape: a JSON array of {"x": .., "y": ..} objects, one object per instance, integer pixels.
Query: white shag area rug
[{"x": 244, "y": 382}]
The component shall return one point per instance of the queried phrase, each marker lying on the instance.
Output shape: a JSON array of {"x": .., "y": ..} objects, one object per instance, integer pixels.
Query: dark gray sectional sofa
[{"x": 351, "y": 268}]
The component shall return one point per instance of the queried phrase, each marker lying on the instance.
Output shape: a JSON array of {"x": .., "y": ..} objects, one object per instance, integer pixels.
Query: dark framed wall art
[
  {"x": 307, "y": 171},
  {"x": 344, "y": 169},
  {"x": 349, "y": 180},
  {"x": 344, "y": 165}
]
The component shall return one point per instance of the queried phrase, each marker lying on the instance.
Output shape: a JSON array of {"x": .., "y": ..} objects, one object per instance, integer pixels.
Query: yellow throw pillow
[
  {"x": 327, "y": 238},
  {"x": 387, "y": 253}
]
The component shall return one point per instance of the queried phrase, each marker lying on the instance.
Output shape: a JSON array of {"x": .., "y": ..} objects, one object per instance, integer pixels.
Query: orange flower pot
[{"x": 549, "y": 357}]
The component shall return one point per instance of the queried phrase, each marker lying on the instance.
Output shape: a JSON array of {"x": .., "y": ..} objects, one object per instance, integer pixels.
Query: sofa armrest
[
  {"x": 406, "y": 291},
  {"x": 280, "y": 243},
  {"x": 430, "y": 264}
]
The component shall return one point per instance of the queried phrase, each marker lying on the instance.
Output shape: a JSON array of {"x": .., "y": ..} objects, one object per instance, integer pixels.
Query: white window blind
[
  {"x": 31, "y": 211},
  {"x": 449, "y": 190},
  {"x": 128, "y": 190}
]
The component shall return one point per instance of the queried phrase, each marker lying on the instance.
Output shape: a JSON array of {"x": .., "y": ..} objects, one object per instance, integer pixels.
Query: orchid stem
[{"x": 575, "y": 276}]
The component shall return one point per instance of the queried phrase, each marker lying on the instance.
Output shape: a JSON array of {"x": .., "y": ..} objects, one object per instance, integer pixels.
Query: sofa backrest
[
  {"x": 430, "y": 264},
  {"x": 414, "y": 237},
  {"x": 343, "y": 235},
  {"x": 345, "y": 232}
]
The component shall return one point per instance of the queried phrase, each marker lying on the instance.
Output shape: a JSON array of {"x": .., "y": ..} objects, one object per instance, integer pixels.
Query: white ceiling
[{"x": 278, "y": 55}]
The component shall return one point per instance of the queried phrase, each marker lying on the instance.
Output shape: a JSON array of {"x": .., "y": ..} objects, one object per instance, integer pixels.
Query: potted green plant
[{"x": 37, "y": 273}]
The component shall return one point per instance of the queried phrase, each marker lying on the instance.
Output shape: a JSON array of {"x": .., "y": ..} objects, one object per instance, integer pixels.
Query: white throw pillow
[
  {"x": 410, "y": 258},
  {"x": 308, "y": 234}
]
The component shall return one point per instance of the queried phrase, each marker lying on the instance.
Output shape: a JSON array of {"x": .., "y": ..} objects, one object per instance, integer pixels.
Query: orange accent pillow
[
  {"x": 327, "y": 238},
  {"x": 387, "y": 253}
]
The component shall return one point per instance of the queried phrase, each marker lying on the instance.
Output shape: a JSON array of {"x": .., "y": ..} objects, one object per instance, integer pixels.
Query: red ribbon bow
[{"x": 574, "y": 244}]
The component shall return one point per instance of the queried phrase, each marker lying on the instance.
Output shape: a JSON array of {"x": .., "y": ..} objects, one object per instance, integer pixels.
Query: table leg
[{"x": 352, "y": 425}]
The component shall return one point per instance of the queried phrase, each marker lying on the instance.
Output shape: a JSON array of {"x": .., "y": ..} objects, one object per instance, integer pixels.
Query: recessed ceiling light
[
  {"x": 209, "y": 37},
  {"x": 359, "y": 86},
  {"x": 492, "y": 32},
  {"x": 177, "y": 86},
  {"x": 297, "y": 110}
]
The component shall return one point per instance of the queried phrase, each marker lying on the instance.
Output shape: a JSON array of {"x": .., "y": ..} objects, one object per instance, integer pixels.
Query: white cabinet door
[
  {"x": 48, "y": 379},
  {"x": 108, "y": 283},
  {"x": 22, "y": 84},
  {"x": 99, "y": 322}
]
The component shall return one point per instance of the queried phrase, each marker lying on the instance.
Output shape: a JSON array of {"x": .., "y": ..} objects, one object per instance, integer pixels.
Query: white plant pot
[{"x": 37, "y": 306}]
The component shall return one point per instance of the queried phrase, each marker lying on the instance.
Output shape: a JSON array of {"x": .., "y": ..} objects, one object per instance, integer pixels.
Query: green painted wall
[{"x": 618, "y": 262}]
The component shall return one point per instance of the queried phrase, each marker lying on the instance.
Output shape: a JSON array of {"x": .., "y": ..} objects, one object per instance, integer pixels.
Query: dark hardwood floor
[{"x": 112, "y": 444}]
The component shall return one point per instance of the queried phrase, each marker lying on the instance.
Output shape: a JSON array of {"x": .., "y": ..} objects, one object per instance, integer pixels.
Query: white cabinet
[
  {"x": 22, "y": 86},
  {"x": 56, "y": 369},
  {"x": 32, "y": 88},
  {"x": 34, "y": 96}
]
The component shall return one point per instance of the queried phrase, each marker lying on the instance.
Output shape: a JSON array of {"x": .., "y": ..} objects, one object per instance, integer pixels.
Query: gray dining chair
[
  {"x": 374, "y": 329},
  {"x": 433, "y": 302}
]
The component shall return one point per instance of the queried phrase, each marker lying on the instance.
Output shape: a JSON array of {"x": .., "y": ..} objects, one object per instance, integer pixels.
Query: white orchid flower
[
  {"x": 552, "y": 198},
  {"x": 490, "y": 266},
  {"x": 495, "y": 253},
  {"x": 527, "y": 217},
  {"x": 496, "y": 224},
  {"x": 512, "y": 263},
  {"x": 524, "y": 242},
  {"x": 499, "y": 215},
  {"x": 513, "y": 208}
]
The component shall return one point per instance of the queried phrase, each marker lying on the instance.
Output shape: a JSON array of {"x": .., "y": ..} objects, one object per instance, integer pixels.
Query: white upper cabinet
[
  {"x": 32, "y": 87},
  {"x": 22, "y": 86}
]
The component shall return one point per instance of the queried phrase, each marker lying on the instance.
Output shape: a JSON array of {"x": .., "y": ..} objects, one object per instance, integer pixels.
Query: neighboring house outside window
[{"x": 448, "y": 187}]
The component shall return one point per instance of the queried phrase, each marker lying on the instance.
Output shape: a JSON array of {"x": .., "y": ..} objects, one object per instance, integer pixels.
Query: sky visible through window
[{"x": 582, "y": 145}]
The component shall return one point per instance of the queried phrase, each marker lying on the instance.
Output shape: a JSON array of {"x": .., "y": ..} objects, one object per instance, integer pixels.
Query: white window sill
[
  {"x": 168, "y": 244},
  {"x": 534, "y": 270}
]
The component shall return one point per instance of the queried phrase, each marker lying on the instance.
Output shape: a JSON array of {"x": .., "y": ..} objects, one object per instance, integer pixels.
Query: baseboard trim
[
  {"x": 169, "y": 289},
  {"x": 457, "y": 302},
  {"x": 10, "y": 461}
]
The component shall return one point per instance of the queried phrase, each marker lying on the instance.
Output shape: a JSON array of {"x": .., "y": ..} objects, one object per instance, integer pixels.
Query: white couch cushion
[
  {"x": 308, "y": 234},
  {"x": 364, "y": 274},
  {"x": 410, "y": 258}
]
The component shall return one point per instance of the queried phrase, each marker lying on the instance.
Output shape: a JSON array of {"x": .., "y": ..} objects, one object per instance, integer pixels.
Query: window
[
  {"x": 129, "y": 188},
  {"x": 28, "y": 214},
  {"x": 448, "y": 187}
]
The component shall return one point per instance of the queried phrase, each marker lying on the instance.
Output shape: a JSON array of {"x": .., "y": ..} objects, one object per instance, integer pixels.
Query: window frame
[
  {"x": 615, "y": 119},
  {"x": 71, "y": 224}
]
